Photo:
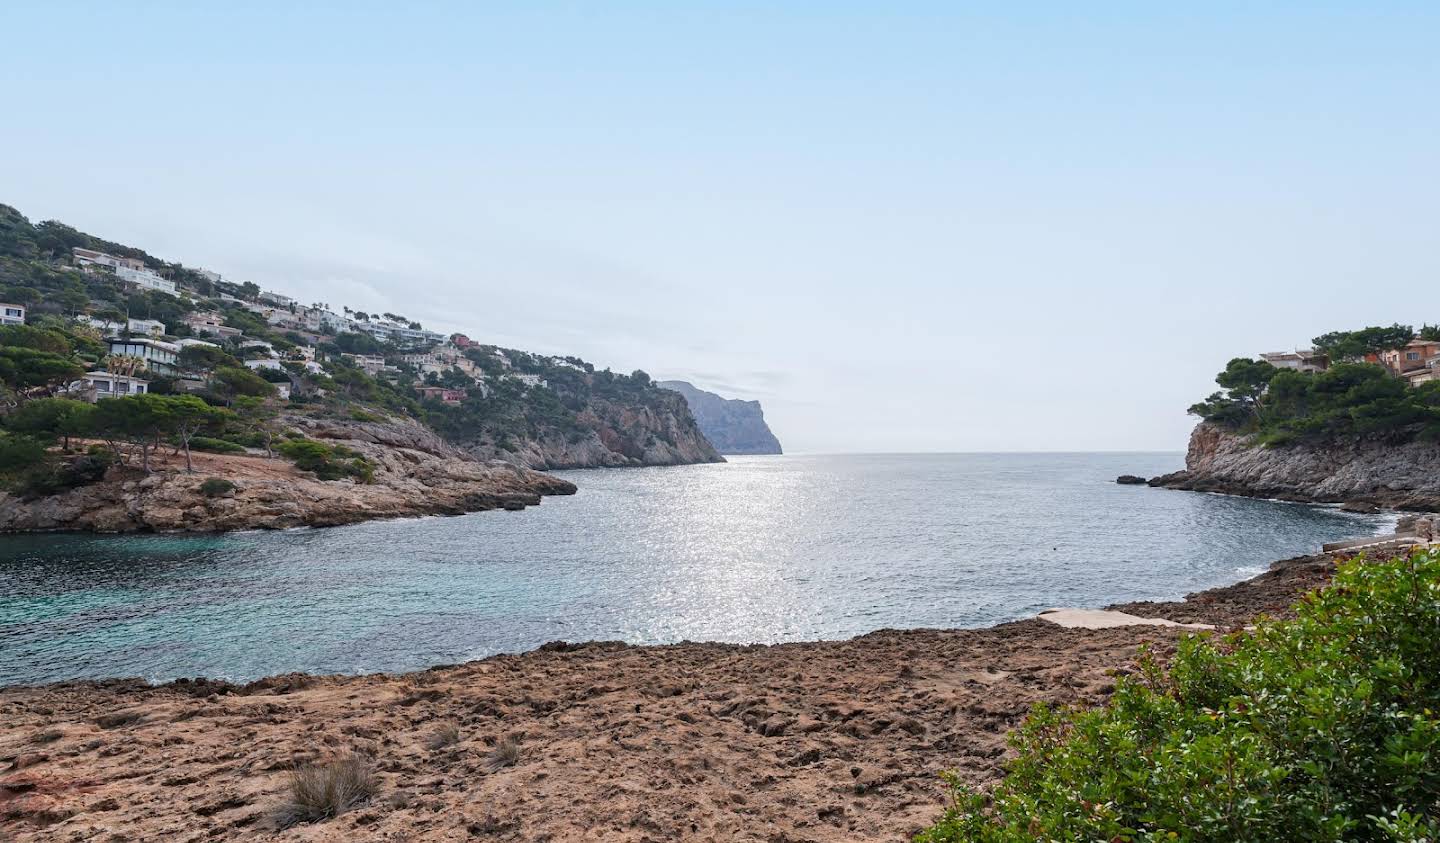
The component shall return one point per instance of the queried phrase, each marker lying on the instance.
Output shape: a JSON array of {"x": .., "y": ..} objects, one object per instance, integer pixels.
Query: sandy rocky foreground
[
  {"x": 417, "y": 473},
  {"x": 796, "y": 742}
]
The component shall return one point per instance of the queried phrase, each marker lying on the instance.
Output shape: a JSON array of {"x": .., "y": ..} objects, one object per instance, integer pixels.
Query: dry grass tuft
[
  {"x": 327, "y": 789},
  {"x": 447, "y": 734},
  {"x": 505, "y": 754}
]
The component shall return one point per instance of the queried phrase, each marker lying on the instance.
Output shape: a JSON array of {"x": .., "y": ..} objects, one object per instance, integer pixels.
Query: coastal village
[
  {"x": 1416, "y": 361},
  {"x": 284, "y": 342}
]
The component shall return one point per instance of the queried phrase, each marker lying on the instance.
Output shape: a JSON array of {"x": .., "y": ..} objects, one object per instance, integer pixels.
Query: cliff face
[
  {"x": 416, "y": 473},
  {"x": 732, "y": 425},
  {"x": 1403, "y": 475},
  {"x": 660, "y": 431}
]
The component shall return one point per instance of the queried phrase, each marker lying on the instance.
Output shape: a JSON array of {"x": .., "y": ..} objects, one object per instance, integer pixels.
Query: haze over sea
[{"x": 762, "y": 549}]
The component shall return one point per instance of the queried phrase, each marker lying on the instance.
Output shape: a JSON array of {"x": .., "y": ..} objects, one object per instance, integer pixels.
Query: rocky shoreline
[
  {"x": 1363, "y": 474},
  {"x": 793, "y": 742},
  {"x": 416, "y": 473}
]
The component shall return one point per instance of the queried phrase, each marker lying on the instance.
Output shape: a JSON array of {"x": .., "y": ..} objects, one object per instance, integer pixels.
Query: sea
[{"x": 755, "y": 550}]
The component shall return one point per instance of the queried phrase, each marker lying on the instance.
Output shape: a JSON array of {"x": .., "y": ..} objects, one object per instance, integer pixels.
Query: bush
[
  {"x": 1323, "y": 728},
  {"x": 216, "y": 487},
  {"x": 217, "y": 446},
  {"x": 328, "y": 463},
  {"x": 322, "y": 791}
]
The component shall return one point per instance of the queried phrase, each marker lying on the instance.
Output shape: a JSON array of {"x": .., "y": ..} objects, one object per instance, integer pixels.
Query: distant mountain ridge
[{"x": 732, "y": 425}]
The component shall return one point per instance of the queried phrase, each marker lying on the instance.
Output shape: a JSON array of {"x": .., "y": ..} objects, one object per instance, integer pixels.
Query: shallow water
[{"x": 761, "y": 549}]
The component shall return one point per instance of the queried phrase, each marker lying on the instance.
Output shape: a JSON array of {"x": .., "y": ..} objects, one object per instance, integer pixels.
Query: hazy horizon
[{"x": 918, "y": 230}]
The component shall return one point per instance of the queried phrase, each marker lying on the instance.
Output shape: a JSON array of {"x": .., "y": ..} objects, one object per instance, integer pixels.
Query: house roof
[{"x": 166, "y": 346}]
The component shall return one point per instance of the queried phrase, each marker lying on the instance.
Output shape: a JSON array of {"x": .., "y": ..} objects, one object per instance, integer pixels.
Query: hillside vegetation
[
  {"x": 264, "y": 355},
  {"x": 1352, "y": 396}
]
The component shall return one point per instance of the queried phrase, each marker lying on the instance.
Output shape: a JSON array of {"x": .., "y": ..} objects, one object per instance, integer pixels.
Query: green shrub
[
  {"x": 1323, "y": 728},
  {"x": 216, "y": 487},
  {"x": 307, "y": 454},
  {"x": 328, "y": 463},
  {"x": 218, "y": 446}
]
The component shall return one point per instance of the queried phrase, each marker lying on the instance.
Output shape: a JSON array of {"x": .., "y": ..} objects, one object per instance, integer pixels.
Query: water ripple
[{"x": 761, "y": 549}]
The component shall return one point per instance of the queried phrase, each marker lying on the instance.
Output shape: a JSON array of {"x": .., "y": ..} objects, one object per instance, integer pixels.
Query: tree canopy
[{"x": 1355, "y": 345}]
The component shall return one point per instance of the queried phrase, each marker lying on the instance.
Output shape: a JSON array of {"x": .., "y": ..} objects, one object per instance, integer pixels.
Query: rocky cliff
[
  {"x": 1378, "y": 471},
  {"x": 657, "y": 429},
  {"x": 733, "y": 426},
  {"x": 416, "y": 473}
]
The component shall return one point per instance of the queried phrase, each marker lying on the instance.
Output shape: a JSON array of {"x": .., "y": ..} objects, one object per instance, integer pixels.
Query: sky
[{"x": 901, "y": 227}]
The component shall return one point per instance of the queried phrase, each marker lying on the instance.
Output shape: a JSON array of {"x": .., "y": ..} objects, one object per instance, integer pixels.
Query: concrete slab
[{"x": 1104, "y": 619}]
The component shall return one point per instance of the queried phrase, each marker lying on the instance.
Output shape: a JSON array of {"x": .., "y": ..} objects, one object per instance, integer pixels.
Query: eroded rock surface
[
  {"x": 1380, "y": 472},
  {"x": 416, "y": 473}
]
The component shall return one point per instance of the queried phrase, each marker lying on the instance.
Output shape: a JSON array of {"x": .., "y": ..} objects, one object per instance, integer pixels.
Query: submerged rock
[
  {"x": 1131, "y": 480},
  {"x": 1359, "y": 506}
]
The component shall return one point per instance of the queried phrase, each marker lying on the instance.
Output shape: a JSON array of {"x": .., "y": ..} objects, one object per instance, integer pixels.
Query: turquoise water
[{"x": 761, "y": 549}]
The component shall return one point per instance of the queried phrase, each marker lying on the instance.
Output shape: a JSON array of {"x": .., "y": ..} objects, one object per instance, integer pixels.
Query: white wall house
[
  {"x": 109, "y": 385},
  {"x": 90, "y": 257},
  {"x": 145, "y": 279},
  {"x": 153, "y": 327},
  {"x": 210, "y": 324},
  {"x": 158, "y": 356},
  {"x": 12, "y": 314},
  {"x": 264, "y": 363},
  {"x": 1304, "y": 360},
  {"x": 388, "y": 329}
]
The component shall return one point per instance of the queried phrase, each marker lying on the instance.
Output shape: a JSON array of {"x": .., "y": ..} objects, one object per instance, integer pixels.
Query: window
[
  {"x": 101, "y": 386},
  {"x": 1412, "y": 355},
  {"x": 14, "y": 311},
  {"x": 121, "y": 388}
]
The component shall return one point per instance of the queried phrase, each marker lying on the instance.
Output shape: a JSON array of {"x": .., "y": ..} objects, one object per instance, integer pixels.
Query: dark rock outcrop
[
  {"x": 732, "y": 425},
  {"x": 1357, "y": 470},
  {"x": 1130, "y": 480}
]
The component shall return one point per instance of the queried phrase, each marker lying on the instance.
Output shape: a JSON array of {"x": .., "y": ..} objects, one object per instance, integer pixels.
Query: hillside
[
  {"x": 1355, "y": 419},
  {"x": 732, "y": 425},
  {"x": 216, "y": 338}
]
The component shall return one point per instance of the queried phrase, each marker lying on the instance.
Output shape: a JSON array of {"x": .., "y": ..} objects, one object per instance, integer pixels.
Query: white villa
[
  {"x": 12, "y": 314},
  {"x": 159, "y": 356},
  {"x": 99, "y": 385},
  {"x": 1304, "y": 360},
  {"x": 90, "y": 257},
  {"x": 146, "y": 279},
  {"x": 210, "y": 324}
]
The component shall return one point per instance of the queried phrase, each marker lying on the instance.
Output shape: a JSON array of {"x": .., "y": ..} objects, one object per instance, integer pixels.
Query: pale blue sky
[{"x": 901, "y": 226}]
